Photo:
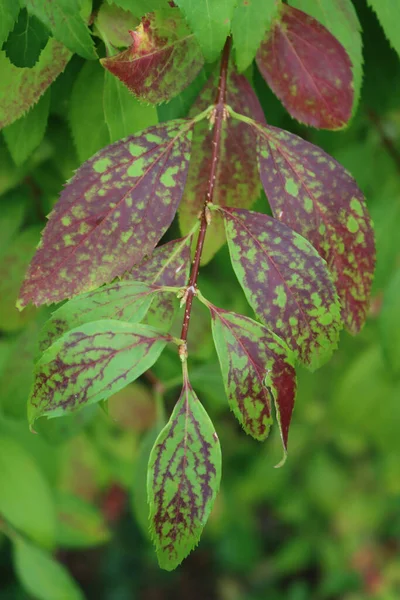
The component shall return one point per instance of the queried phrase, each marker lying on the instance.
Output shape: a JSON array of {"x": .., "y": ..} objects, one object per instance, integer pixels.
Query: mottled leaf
[
  {"x": 250, "y": 21},
  {"x": 210, "y": 20},
  {"x": 24, "y": 135},
  {"x": 183, "y": 479},
  {"x": 9, "y": 10},
  {"x": 313, "y": 194},
  {"x": 388, "y": 14},
  {"x": 123, "y": 301},
  {"x": 111, "y": 214},
  {"x": 64, "y": 20},
  {"x": 257, "y": 369},
  {"x": 26, "y": 41},
  {"x": 21, "y": 88},
  {"x": 113, "y": 24},
  {"x": 123, "y": 113},
  {"x": 340, "y": 17},
  {"x": 89, "y": 364},
  {"x": 308, "y": 69},
  {"x": 87, "y": 111},
  {"x": 169, "y": 265},
  {"x": 286, "y": 283},
  {"x": 163, "y": 59},
  {"x": 237, "y": 182},
  {"x": 389, "y": 323}
]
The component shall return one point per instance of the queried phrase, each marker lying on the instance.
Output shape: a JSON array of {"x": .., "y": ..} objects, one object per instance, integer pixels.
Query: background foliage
[{"x": 326, "y": 525}]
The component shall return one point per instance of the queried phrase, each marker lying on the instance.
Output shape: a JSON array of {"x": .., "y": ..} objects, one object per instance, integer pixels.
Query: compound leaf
[
  {"x": 340, "y": 17},
  {"x": 184, "y": 473},
  {"x": 26, "y": 41},
  {"x": 313, "y": 194},
  {"x": 21, "y": 88},
  {"x": 210, "y": 20},
  {"x": 89, "y": 364},
  {"x": 111, "y": 214},
  {"x": 237, "y": 181},
  {"x": 286, "y": 283},
  {"x": 388, "y": 14},
  {"x": 257, "y": 369},
  {"x": 308, "y": 69},
  {"x": 162, "y": 60},
  {"x": 250, "y": 21}
]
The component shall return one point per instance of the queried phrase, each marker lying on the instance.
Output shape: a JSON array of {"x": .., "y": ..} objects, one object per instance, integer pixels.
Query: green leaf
[
  {"x": 163, "y": 59},
  {"x": 286, "y": 283},
  {"x": 388, "y": 14},
  {"x": 257, "y": 368},
  {"x": 86, "y": 112},
  {"x": 251, "y": 20},
  {"x": 13, "y": 264},
  {"x": 113, "y": 25},
  {"x": 26, "y": 41},
  {"x": 80, "y": 525},
  {"x": 21, "y": 88},
  {"x": 123, "y": 300},
  {"x": 340, "y": 17},
  {"x": 9, "y": 10},
  {"x": 25, "y": 497},
  {"x": 42, "y": 576},
  {"x": 123, "y": 113},
  {"x": 100, "y": 227},
  {"x": 12, "y": 214},
  {"x": 24, "y": 135},
  {"x": 389, "y": 323},
  {"x": 386, "y": 219},
  {"x": 183, "y": 479},
  {"x": 64, "y": 20},
  {"x": 89, "y": 364},
  {"x": 210, "y": 20},
  {"x": 139, "y": 7}
]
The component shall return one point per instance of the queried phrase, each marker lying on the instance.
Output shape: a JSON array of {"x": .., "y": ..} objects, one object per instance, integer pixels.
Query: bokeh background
[{"x": 325, "y": 526}]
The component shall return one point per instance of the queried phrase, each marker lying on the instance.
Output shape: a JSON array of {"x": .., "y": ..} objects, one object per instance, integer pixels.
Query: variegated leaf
[
  {"x": 184, "y": 473},
  {"x": 286, "y": 282},
  {"x": 111, "y": 214}
]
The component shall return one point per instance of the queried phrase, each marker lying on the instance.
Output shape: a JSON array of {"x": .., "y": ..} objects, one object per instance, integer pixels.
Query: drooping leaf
[
  {"x": 13, "y": 264},
  {"x": 308, "y": 69},
  {"x": 162, "y": 60},
  {"x": 80, "y": 524},
  {"x": 9, "y": 10},
  {"x": 26, "y": 500},
  {"x": 257, "y": 370},
  {"x": 111, "y": 214},
  {"x": 169, "y": 265},
  {"x": 237, "y": 183},
  {"x": 340, "y": 17},
  {"x": 210, "y": 20},
  {"x": 389, "y": 323},
  {"x": 24, "y": 135},
  {"x": 123, "y": 301},
  {"x": 21, "y": 88},
  {"x": 41, "y": 575},
  {"x": 87, "y": 111},
  {"x": 250, "y": 21},
  {"x": 286, "y": 283},
  {"x": 26, "y": 41},
  {"x": 313, "y": 194},
  {"x": 183, "y": 479},
  {"x": 123, "y": 113},
  {"x": 388, "y": 14},
  {"x": 64, "y": 20},
  {"x": 89, "y": 364},
  {"x": 114, "y": 23}
]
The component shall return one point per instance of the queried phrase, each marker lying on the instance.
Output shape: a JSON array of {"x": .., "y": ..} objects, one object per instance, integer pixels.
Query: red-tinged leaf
[
  {"x": 111, "y": 214},
  {"x": 313, "y": 194},
  {"x": 162, "y": 60},
  {"x": 237, "y": 183},
  {"x": 184, "y": 473},
  {"x": 21, "y": 88},
  {"x": 89, "y": 364},
  {"x": 286, "y": 282},
  {"x": 257, "y": 369},
  {"x": 169, "y": 265},
  {"x": 308, "y": 69}
]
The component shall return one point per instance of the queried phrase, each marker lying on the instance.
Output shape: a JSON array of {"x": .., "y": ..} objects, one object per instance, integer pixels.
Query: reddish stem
[{"x": 218, "y": 118}]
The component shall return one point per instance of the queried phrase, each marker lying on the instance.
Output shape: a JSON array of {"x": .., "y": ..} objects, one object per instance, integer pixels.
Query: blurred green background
[{"x": 326, "y": 525}]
